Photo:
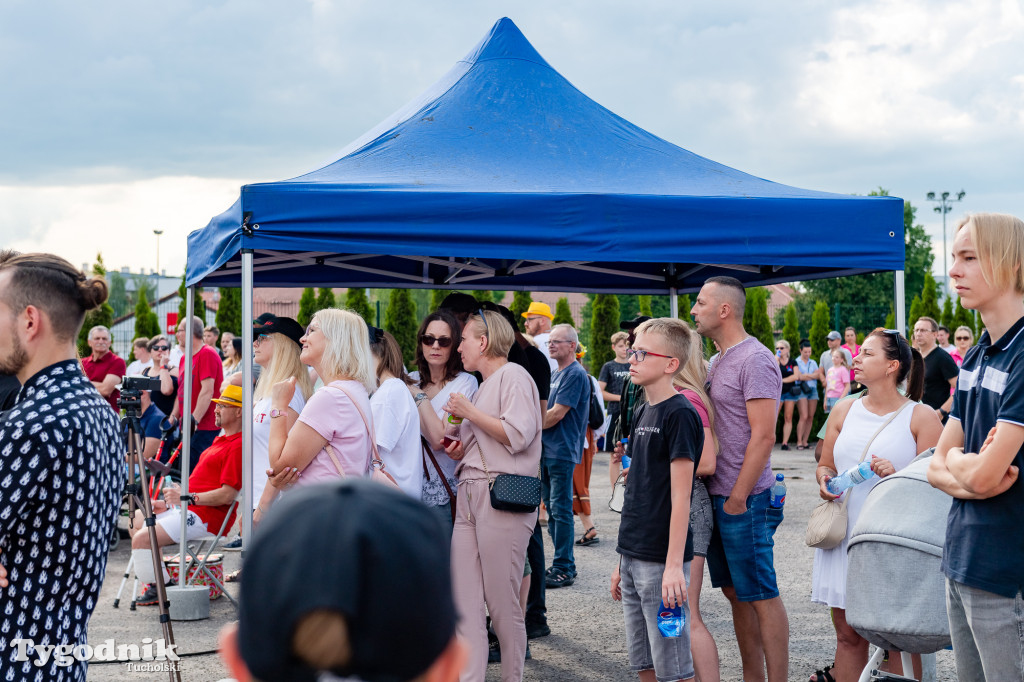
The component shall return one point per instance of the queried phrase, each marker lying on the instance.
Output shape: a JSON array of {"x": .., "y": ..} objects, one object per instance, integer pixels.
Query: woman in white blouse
[{"x": 396, "y": 425}]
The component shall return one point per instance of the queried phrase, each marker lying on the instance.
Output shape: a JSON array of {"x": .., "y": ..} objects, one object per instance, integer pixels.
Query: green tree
[
  {"x": 685, "y": 306},
  {"x": 563, "y": 315},
  {"x": 644, "y": 305},
  {"x": 118, "y": 294},
  {"x": 436, "y": 297},
  {"x": 929, "y": 298},
  {"x": 357, "y": 301},
  {"x": 947, "y": 313},
  {"x": 819, "y": 329},
  {"x": 755, "y": 316},
  {"x": 521, "y": 301},
  {"x": 791, "y": 330},
  {"x": 147, "y": 324},
  {"x": 890, "y": 319},
  {"x": 603, "y": 324},
  {"x": 199, "y": 305},
  {"x": 962, "y": 317},
  {"x": 914, "y": 313},
  {"x": 325, "y": 299},
  {"x": 400, "y": 322},
  {"x": 307, "y": 306},
  {"x": 229, "y": 310},
  {"x": 103, "y": 315}
]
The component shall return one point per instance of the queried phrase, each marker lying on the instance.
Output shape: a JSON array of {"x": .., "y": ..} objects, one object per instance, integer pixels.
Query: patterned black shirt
[{"x": 61, "y": 477}]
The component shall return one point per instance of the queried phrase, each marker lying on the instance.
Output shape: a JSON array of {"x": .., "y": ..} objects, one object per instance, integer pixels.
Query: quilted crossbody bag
[
  {"x": 512, "y": 492},
  {"x": 827, "y": 526}
]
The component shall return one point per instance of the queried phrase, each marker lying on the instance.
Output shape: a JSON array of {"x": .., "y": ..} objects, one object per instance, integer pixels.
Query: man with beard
[{"x": 60, "y": 468}]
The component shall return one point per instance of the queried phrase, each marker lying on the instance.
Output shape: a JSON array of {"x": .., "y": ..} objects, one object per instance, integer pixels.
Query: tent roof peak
[{"x": 504, "y": 41}]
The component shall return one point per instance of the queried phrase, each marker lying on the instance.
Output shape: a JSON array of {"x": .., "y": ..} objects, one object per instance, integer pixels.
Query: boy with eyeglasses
[
  {"x": 979, "y": 455},
  {"x": 655, "y": 549}
]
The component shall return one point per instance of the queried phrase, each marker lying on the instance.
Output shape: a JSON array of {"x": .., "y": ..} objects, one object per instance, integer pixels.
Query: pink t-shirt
[
  {"x": 854, "y": 350},
  {"x": 330, "y": 413},
  {"x": 836, "y": 381},
  {"x": 698, "y": 404}
]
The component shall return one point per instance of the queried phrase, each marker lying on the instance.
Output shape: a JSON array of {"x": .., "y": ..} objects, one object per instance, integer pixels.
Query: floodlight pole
[
  {"x": 945, "y": 205},
  {"x": 247, "y": 396}
]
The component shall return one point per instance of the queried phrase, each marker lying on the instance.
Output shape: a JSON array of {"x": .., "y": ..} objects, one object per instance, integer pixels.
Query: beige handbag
[{"x": 827, "y": 525}]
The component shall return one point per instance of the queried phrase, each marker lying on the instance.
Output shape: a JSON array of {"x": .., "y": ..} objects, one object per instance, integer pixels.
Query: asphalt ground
[{"x": 587, "y": 640}]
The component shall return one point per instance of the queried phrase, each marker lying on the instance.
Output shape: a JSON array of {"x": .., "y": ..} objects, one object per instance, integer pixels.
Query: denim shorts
[
  {"x": 791, "y": 398},
  {"x": 641, "y": 601},
  {"x": 830, "y": 403},
  {"x": 813, "y": 395},
  {"x": 741, "y": 551}
]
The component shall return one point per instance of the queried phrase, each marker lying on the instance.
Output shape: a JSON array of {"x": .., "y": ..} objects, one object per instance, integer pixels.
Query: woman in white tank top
[{"x": 885, "y": 361}]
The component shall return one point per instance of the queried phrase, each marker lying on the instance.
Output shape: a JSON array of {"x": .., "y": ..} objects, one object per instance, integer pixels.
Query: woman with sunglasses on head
[
  {"x": 331, "y": 437},
  {"x": 963, "y": 339},
  {"x": 276, "y": 348},
  {"x": 884, "y": 363},
  {"x": 439, "y": 374},
  {"x": 500, "y": 435}
]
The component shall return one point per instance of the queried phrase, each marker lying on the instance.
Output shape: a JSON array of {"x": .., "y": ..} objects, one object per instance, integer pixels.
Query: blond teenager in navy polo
[{"x": 980, "y": 453}]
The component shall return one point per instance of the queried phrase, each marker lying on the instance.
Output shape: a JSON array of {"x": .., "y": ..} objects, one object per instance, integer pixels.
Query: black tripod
[{"x": 136, "y": 493}]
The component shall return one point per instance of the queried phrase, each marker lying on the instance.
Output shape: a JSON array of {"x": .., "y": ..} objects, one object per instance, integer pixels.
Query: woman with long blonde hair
[
  {"x": 331, "y": 437},
  {"x": 276, "y": 347},
  {"x": 690, "y": 380}
]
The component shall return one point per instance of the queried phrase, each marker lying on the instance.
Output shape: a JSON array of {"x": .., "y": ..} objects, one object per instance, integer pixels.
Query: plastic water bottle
[
  {"x": 850, "y": 478},
  {"x": 778, "y": 494},
  {"x": 625, "y": 458},
  {"x": 671, "y": 622},
  {"x": 452, "y": 431}
]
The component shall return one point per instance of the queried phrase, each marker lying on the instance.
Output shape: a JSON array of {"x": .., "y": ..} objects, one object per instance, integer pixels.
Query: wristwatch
[
  {"x": 277, "y": 413},
  {"x": 419, "y": 398}
]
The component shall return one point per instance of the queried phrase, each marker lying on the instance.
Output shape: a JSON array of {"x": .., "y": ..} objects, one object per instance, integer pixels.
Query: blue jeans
[
  {"x": 556, "y": 489},
  {"x": 741, "y": 551}
]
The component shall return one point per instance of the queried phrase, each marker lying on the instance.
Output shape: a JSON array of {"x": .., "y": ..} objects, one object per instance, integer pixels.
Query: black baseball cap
[
  {"x": 366, "y": 551},
  {"x": 263, "y": 318},
  {"x": 279, "y": 325},
  {"x": 634, "y": 323}
]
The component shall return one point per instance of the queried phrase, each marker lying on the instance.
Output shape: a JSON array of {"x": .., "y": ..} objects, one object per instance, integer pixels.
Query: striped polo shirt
[{"x": 985, "y": 538}]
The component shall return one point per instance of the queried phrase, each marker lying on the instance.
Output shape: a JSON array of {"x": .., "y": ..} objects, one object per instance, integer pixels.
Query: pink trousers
[{"x": 488, "y": 555}]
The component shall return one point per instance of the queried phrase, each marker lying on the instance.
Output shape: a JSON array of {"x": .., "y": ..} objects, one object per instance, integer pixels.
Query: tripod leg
[{"x": 124, "y": 580}]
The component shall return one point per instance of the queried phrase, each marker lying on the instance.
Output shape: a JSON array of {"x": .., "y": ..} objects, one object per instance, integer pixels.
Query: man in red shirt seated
[
  {"x": 213, "y": 486},
  {"x": 103, "y": 368}
]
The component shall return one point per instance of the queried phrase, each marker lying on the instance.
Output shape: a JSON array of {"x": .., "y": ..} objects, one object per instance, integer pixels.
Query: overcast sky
[{"x": 118, "y": 118}]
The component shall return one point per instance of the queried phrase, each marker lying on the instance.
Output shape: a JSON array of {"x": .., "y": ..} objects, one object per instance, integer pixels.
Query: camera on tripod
[{"x": 131, "y": 388}]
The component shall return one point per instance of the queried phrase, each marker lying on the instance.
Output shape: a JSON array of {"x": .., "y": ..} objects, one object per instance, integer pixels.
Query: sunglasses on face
[
  {"x": 963, "y": 338},
  {"x": 442, "y": 341},
  {"x": 161, "y": 347}
]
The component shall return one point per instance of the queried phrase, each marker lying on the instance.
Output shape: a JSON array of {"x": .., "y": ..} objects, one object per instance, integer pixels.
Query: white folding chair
[{"x": 206, "y": 545}]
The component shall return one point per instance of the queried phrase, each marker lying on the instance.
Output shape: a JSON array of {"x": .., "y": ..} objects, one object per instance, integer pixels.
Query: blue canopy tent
[{"x": 505, "y": 176}]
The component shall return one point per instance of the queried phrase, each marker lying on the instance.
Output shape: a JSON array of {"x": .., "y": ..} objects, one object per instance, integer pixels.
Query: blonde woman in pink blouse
[{"x": 501, "y": 429}]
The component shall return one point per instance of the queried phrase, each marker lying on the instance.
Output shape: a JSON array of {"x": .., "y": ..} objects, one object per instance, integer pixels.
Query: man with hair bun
[{"x": 64, "y": 441}]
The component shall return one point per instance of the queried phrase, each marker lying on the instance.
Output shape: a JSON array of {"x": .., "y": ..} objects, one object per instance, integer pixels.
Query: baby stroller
[{"x": 895, "y": 589}]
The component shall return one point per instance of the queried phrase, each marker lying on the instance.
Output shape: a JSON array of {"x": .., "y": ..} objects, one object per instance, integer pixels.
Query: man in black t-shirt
[
  {"x": 654, "y": 545},
  {"x": 940, "y": 370},
  {"x": 613, "y": 375}
]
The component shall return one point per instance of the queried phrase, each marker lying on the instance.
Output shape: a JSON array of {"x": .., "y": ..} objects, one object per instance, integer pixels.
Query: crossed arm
[{"x": 976, "y": 476}]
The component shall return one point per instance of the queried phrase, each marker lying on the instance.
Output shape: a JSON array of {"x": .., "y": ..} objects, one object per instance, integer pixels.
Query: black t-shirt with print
[
  {"x": 614, "y": 374},
  {"x": 661, "y": 433},
  {"x": 939, "y": 368}
]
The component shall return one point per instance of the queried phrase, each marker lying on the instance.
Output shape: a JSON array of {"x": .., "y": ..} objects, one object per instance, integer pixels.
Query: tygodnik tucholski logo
[{"x": 147, "y": 656}]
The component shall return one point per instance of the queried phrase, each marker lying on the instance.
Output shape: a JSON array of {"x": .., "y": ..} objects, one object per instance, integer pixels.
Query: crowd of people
[{"x": 334, "y": 403}]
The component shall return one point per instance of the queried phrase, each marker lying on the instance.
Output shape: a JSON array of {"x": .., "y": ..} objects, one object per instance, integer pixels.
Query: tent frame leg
[
  {"x": 248, "y": 504},
  {"x": 900, "y": 303}
]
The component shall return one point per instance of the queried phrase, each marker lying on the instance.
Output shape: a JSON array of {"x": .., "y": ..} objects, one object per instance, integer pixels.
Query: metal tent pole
[
  {"x": 186, "y": 428},
  {"x": 901, "y": 305},
  {"x": 247, "y": 473},
  {"x": 673, "y": 302}
]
